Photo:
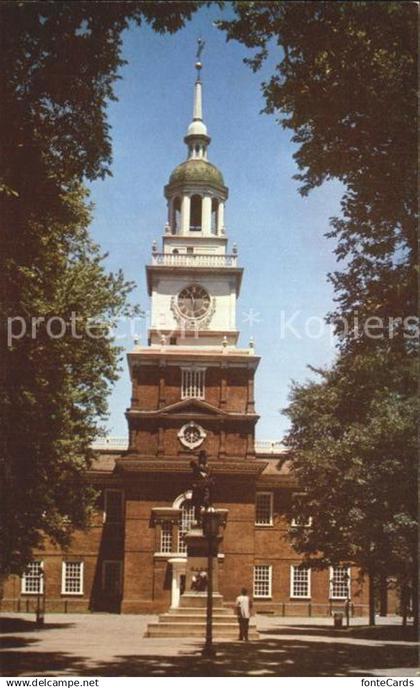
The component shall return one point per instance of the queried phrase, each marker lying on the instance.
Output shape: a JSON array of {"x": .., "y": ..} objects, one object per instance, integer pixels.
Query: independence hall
[{"x": 192, "y": 390}]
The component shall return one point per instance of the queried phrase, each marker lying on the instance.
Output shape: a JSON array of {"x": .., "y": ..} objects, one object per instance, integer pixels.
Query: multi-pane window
[
  {"x": 166, "y": 537},
  {"x": 339, "y": 582},
  {"x": 33, "y": 579},
  {"x": 262, "y": 580},
  {"x": 192, "y": 385},
  {"x": 300, "y": 581},
  {"x": 187, "y": 518},
  {"x": 264, "y": 509},
  {"x": 112, "y": 577},
  {"x": 72, "y": 578},
  {"x": 113, "y": 512}
]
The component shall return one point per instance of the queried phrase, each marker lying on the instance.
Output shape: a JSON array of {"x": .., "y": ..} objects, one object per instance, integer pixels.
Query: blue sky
[{"x": 279, "y": 234}]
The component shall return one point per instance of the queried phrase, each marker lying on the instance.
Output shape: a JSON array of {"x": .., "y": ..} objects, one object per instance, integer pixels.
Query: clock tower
[{"x": 192, "y": 387}]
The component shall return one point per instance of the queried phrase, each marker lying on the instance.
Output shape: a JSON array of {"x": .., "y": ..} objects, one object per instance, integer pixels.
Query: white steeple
[
  {"x": 194, "y": 283},
  {"x": 197, "y": 138},
  {"x": 197, "y": 126}
]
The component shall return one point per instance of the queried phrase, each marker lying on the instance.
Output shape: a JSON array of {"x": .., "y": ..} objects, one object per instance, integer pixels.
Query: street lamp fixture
[{"x": 210, "y": 531}]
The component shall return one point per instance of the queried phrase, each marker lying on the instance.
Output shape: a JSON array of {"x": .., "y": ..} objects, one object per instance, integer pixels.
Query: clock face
[
  {"x": 191, "y": 435},
  {"x": 193, "y": 302}
]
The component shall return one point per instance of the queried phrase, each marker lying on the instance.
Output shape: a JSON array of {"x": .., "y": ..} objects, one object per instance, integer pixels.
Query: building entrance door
[{"x": 179, "y": 566}]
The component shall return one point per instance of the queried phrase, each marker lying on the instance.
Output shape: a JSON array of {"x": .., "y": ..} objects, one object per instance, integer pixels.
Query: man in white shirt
[{"x": 243, "y": 610}]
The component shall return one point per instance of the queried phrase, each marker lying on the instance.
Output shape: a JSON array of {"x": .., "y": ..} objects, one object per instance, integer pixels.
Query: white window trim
[
  {"x": 181, "y": 499},
  {"x": 270, "y": 583},
  {"x": 106, "y": 492},
  {"x": 111, "y": 561},
  {"x": 292, "y": 577},
  {"x": 63, "y": 577},
  {"x": 265, "y": 525},
  {"x": 41, "y": 581},
  {"x": 340, "y": 597},
  {"x": 297, "y": 524}
]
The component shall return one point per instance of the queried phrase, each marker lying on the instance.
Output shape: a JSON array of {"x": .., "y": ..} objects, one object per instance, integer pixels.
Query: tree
[
  {"x": 354, "y": 454},
  {"x": 61, "y": 363},
  {"x": 345, "y": 86},
  {"x": 59, "y": 63}
]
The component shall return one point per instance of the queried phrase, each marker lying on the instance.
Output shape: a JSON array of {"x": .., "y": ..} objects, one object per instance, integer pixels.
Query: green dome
[{"x": 196, "y": 171}]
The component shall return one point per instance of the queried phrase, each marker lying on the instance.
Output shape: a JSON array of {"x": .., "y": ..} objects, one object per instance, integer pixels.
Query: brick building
[{"x": 192, "y": 389}]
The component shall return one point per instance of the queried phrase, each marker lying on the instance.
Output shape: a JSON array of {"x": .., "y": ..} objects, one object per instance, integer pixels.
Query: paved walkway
[{"x": 114, "y": 645}]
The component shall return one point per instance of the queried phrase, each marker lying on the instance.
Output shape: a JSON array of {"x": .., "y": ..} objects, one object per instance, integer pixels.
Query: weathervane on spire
[{"x": 200, "y": 48}]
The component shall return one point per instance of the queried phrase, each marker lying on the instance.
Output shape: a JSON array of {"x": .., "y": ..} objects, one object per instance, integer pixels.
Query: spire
[
  {"x": 198, "y": 106},
  {"x": 197, "y": 138}
]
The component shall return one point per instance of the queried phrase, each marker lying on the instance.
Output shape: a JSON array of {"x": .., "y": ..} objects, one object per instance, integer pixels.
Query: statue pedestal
[
  {"x": 198, "y": 552},
  {"x": 197, "y": 560}
]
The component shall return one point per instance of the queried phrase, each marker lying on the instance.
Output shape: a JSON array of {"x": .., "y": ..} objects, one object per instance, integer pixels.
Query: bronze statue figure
[{"x": 202, "y": 485}]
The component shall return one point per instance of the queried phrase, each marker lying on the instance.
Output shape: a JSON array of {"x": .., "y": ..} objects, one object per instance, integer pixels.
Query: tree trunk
[
  {"x": 383, "y": 596},
  {"x": 371, "y": 599},
  {"x": 403, "y": 602},
  {"x": 416, "y": 601}
]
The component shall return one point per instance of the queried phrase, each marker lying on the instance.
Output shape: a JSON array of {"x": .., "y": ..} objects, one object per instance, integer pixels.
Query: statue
[
  {"x": 202, "y": 485},
  {"x": 199, "y": 582},
  {"x": 200, "y": 47}
]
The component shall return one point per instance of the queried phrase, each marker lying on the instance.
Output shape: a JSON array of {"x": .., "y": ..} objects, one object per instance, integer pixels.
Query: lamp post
[
  {"x": 210, "y": 530},
  {"x": 347, "y": 604},
  {"x": 40, "y": 608}
]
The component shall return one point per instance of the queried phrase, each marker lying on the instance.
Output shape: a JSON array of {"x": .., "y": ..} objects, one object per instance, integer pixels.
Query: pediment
[{"x": 192, "y": 407}]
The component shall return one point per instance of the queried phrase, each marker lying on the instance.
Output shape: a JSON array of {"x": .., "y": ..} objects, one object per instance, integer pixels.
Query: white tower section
[{"x": 193, "y": 281}]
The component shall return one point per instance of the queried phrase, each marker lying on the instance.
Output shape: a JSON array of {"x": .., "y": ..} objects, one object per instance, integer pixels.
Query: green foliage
[
  {"x": 54, "y": 388},
  {"x": 59, "y": 65},
  {"x": 354, "y": 450},
  {"x": 345, "y": 85}
]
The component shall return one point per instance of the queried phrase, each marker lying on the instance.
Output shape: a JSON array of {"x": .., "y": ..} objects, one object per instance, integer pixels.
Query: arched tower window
[
  {"x": 214, "y": 212},
  {"x": 184, "y": 503},
  {"x": 195, "y": 213},
  {"x": 176, "y": 215}
]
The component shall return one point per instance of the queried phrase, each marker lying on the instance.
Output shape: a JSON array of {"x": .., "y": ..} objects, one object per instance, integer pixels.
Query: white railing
[
  {"x": 192, "y": 260},
  {"x": 269, "y": 447},
  {"x": 121, "y": 444}
]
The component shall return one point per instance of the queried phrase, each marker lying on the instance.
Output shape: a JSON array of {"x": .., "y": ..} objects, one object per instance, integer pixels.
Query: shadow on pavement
[
  {"x": 13, "y": 625},
  {"x": 267, "y": 657},
  {"x": 385, "y": 633}
]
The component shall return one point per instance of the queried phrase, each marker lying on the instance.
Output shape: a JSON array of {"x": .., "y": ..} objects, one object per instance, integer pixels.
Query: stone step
[
  {"x": 194, "y": 630},
  {"x": 189, "y": 620},
  {"x": 201, "y": 611}
]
